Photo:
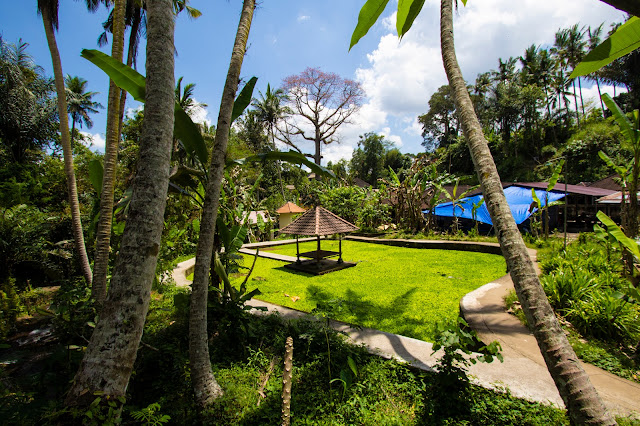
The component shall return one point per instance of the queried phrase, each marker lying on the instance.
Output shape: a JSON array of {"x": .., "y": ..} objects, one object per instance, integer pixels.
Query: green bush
[
  {"x": 565, "y": 286},
  {"x": 345, "y": 201},
  {"x": 35, "y": 247},
  {"x": 9, "y": 307},
  {"x": 605, "y": 316}
]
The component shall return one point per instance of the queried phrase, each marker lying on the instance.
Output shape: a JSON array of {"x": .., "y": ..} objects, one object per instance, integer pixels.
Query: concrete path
[{"x": 523, "y": 372}]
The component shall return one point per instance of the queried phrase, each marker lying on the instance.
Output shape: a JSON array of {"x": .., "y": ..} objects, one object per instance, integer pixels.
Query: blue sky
[{"x": 287, "y": 36}]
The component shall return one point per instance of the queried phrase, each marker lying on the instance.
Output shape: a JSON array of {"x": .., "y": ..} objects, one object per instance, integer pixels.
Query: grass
[{"x": 394, "y": 289}]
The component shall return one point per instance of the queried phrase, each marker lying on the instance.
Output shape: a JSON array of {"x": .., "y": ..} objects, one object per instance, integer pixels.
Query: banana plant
[
  {"x": 628, "y": 246},
  {"x": 630, "y": 172},
  {"x": 231, "y": 295},
  {"x": 474, "y": 212},
  {"x": 552, "y": 183},
  {"x": 455, "y": 199},
  {"x": 624, "y": 40}
]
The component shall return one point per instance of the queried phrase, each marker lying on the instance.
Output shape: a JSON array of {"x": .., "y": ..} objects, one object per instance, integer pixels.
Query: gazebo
[{"x": 318, "y": 222}]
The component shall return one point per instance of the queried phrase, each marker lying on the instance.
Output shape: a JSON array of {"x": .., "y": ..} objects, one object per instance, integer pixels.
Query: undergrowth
[{"x": 584, "y": 285}]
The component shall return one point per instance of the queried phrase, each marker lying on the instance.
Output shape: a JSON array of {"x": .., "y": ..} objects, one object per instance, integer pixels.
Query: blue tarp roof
[{"x": 519, "y": 200}]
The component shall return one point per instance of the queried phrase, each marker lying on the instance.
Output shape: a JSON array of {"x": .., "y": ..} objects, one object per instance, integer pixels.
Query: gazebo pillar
[
  {"x": 318, "y": 255},
  {"x": 297, "y": 249},
  {"x": 340, "y": 248}
]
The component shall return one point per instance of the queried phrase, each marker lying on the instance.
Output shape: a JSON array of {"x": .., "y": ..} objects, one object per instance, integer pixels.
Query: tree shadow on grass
[{"x": 366, "y": 312}]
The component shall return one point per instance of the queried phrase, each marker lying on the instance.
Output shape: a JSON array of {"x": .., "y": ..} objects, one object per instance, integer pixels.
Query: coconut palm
[
  {"x": 594, "y": 40},
  {"x": 108, "y": 360},
  {"x": 103, "y": 229},
  {"x": 206, "y": 388},
  {"x": 79, "y": 103},
  {"x": 29, "y": 118},
  {"x": 270, "y": 110},
  {"x": 579, "y": 395},
  {"x": 48, "y": 9},
  {"x": 569, "y": 49},
  {"x": 136, "y": 21}
]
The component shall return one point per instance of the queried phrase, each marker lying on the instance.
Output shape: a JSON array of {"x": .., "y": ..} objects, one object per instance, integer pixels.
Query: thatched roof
[
  {"x": 290, "y": 208},
  {"x": 318, "y": 221}
]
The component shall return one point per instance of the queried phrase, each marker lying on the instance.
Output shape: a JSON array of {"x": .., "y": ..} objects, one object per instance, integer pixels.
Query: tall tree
[
  {"x": 80, "y": 104},
  {"x": 323, "y": 101},
  {"x": 48, "y": 9},
  {"x": 29, "y": 118},
  {"x": 111, "y": 352},
  {"x": 270, "y": 110},
  {"x": 579, "y": 395},
  {"x": 367, "y": 161},
  {"x": 206, "y": 388},
  {"x": 440, "y": 125},
  {"x": 103, "y": 231},
  {"x": 569, "y": 49},
  {"x": 594, "y": 40}
]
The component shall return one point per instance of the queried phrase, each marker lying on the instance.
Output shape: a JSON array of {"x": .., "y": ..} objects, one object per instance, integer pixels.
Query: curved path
[{"x": 523, "y": 371}]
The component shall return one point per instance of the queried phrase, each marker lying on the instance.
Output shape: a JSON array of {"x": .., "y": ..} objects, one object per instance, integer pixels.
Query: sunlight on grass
[{"x": 393, "y": 289}]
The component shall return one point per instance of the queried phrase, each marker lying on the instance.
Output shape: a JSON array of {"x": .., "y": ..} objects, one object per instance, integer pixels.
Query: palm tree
[
  {"x": 569, "y": 49},
  {"x": 136, "y": 21},
  {"x": 111, "y": 352},
  {"x": 579, "y": 395},
  {"x": 575, "y": 52},
  {"x": 48, "y": 9},
  {"x": 184, "y": 96},
  {"x": 270, "y": 111},
  {"x": 206, "y": 388},
  {"x": 103, "y": 229},
  {"x": 80, "y": 104},
  {"x": 115, "y": 110},
  {"x": 594, "y": 40}
]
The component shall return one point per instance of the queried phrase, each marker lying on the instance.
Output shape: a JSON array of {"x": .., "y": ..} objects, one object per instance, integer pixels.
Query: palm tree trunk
[
  {"x": 581, "y": 98},
  {"x": 67, "y": 152},
  {"x": 575, "y": 98},
  {"x": 579, "y": 395},
  {"x": 600, "y": 94},
  {"x": 103, "y": 231},
  {"x": 205, "y": 386},
  {"x": 73, "y": 131},
  {"x": 130, "y": 53},
  {"x": 111, "y": 352}
]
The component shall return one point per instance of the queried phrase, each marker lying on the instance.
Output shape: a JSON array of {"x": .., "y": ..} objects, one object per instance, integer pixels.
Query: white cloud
[
  {"x": 303, "y": 18},
  {"x": 97, "y": 142},
  {"x": 397, "y": 140},
  {"x": 131, "y": 112},
  {"x": 335, "y": 152},
  {"x": 414, "y": 127},
  {"x": 200, "y": 115},
  {"x": 401, "y": 76}
]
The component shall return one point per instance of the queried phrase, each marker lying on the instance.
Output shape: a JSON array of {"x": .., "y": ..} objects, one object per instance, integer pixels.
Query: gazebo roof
[
  {"x": 290, "y": 208},
  {"x": 318, "y": 221}
]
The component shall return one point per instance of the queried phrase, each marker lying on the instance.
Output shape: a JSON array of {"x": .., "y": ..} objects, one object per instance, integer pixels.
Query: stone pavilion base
[{"x": 314, "y": 267}]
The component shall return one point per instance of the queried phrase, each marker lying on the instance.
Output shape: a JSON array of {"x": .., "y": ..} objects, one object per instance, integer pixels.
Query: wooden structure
[
  {"x": 287, "y": 212},
  {"x": 319, "y": 222}
]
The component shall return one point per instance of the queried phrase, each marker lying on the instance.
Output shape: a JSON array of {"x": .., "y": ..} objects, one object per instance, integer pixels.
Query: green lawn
[{"x": 394, "y": 289}]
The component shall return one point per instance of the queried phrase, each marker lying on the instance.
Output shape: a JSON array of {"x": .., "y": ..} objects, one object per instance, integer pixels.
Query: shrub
[
  {"x": 604, "y": 315},
  {"x": 9, "y": 307},
  {"x": 566, "y": 286},
  {"x": 344, "y": 201}
]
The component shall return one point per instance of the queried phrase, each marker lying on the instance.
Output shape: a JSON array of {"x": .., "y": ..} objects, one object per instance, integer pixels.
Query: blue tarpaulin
[{"x": 518, "y": 197}]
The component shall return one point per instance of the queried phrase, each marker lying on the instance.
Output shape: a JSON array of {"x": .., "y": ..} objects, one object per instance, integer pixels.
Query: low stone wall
[{"x": 479, "y": 247}]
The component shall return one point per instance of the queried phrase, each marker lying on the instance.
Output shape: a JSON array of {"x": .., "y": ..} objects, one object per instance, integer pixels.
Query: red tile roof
[
  {"x": 290, "y": 208},
  {"x": 318, "y": 221}
]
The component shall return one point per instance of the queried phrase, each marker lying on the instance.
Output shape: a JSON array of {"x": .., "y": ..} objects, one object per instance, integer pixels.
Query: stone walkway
[{"x": 523, "y": 372}]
